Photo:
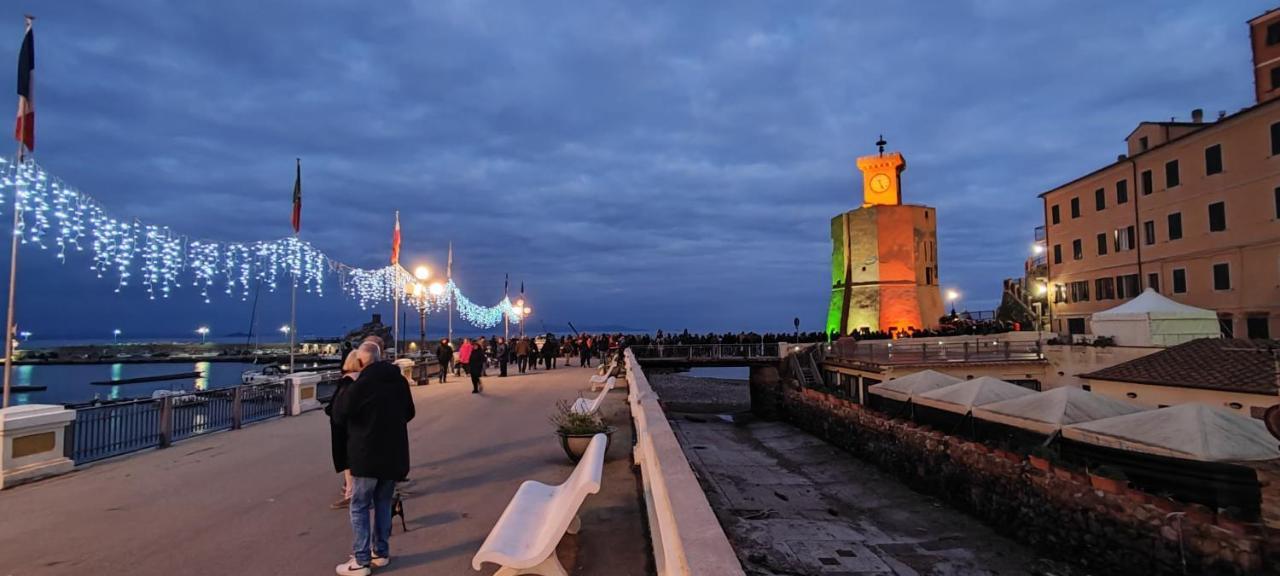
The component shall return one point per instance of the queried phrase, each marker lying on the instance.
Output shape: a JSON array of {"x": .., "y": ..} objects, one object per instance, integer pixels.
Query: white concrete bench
[
  {"x": 524, "y": 539},
  {"x": 584, "y": 406}
]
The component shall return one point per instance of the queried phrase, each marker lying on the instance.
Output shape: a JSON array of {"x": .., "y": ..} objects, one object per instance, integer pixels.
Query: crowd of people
[{"x": 475, "y": 356}]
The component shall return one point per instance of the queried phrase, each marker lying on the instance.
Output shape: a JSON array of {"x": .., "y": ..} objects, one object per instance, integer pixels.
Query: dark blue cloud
[{"x": 657, "y": 165}]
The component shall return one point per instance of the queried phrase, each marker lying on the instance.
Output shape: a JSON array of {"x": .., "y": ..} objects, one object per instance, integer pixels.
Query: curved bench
[
  {"x": 584, "y": 406},
  {"x": 524, "y": 539}
]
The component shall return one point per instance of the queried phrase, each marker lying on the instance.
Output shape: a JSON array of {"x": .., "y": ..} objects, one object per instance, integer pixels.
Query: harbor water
[{"x": 71, "y": 383}]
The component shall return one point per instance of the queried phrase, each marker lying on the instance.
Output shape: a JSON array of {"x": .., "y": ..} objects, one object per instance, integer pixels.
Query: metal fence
[
  {"x": 113, "y": 429},
  {"x": 707, "y": 351},
  {"x": 976, "y": 350}
]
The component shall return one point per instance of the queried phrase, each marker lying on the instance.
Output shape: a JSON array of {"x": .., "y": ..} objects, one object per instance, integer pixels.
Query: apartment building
[{"x": 1192, "y": 210}]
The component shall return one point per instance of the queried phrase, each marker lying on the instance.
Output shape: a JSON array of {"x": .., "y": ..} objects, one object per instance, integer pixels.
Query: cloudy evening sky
[{"x": 642, "y": 164}]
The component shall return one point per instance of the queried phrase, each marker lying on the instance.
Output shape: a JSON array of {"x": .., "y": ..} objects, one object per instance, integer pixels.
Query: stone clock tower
[{"x": 884, "y": 256}]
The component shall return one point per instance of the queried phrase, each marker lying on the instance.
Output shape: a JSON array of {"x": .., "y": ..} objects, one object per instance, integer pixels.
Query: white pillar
[
  {"x": 33, "y": 443},
  {"x": 302, "y": 390}
]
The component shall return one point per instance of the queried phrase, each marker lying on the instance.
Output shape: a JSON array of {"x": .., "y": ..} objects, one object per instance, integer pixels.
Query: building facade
[
  {"x": 884, "y": 257},
  {"x": 1192, "y": 211}
]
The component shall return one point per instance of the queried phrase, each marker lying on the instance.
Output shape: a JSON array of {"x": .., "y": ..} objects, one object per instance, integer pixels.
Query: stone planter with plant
[{"x": 576, "y": 430}]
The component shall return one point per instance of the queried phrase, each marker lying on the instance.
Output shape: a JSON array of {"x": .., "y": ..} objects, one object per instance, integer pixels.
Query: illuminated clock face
[{"x": 879, "y": 183}]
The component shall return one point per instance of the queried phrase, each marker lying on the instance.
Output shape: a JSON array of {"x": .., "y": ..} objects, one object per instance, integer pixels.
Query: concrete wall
[
  {"x": 1067, "y": 362},
  {"x": 1158, "y": 396},
  {"x": 686, "y": 536},
  {"x": 1057, "y": 511}
]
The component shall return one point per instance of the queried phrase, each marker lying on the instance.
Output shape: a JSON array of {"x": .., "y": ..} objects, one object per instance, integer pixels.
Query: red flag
[
  {"x": 395, "y": 242},
  {"x": 24, "y": 129},
  {"x": 297, "y": 199}
]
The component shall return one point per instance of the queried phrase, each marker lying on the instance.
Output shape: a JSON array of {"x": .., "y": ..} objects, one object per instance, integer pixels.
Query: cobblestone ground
[{"x": 792, "y": 504}]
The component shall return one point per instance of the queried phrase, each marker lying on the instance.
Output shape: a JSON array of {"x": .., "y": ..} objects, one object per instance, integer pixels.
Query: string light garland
[{"x": 54, "y": 215}]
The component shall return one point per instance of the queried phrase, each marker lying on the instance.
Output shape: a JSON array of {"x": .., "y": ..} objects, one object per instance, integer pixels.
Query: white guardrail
[{"x": 687, "y": 538}]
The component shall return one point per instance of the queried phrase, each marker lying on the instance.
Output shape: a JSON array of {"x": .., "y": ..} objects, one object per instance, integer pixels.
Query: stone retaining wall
[{"x": 1057, "y": 510}]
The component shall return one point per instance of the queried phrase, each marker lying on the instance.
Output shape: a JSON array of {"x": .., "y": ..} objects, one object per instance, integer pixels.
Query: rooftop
[{"x": 1208, "y": 363}]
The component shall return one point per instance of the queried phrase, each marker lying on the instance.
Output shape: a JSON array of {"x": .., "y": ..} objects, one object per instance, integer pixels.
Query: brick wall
[{"x": 1057, "y": 511}]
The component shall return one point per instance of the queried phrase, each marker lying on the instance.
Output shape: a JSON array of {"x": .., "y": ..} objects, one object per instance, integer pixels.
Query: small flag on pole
[
  {"x": 522, "y": 287},
  {"x": 449, "y": 269},
  {"x": 395, "y": 241},
  {"x": 24, "y": 129},
  {"x": 506, "y": 283},
  {"x": 297, "y": 199}
]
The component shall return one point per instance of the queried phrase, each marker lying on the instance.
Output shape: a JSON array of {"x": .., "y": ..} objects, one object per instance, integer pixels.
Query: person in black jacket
[
  {"x": 444, "y": 353},
  {"x": 476, "y": 367},
  {"x": 375, "y": 410}
]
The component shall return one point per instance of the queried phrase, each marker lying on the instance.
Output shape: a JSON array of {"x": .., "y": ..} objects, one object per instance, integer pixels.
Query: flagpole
[
  {"x": 449, "y": 273},
  {"x": 293, "y": 312},
  {"x": 13, "y": 282},
  {"x": 395, "y": 313},
  {"x": 293, "y": 293},
  {"x": 10, "y": 323},
  {"x": 506, "y": 325}
]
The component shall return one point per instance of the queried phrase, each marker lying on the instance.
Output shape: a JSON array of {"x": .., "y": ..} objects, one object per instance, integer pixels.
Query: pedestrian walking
[
  {"x": 504, "y": 355},
  {"x": 476, "y": 368},
  {"x": 444, "y": 354},
  {"x": 375, "y": 411},
  {"x": 522, "y": 354},
  {"x": 550, "y": 349},
  {"x": 464, "y": 355}
]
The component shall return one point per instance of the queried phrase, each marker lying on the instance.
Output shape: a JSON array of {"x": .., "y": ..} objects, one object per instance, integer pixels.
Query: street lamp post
[
  {"x": 203, "y": 331},
  {"x": 286, "y": 330},
  {"x": 952, "y": 296}
]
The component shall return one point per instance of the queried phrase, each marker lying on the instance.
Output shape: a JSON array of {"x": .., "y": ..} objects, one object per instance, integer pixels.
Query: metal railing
[
  {"x": 976, "y": 350},
  {"x": 114, "y": 429},
  {"x": 110, "y": 430},
  {"x": 707, "y": 351}
]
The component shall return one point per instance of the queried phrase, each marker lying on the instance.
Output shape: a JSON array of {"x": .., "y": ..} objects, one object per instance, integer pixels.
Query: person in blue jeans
[{"x": 375, "y": 410}]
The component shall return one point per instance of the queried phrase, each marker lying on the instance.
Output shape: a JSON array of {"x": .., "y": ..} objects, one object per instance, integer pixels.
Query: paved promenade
[{"x": 256, "y": 501}]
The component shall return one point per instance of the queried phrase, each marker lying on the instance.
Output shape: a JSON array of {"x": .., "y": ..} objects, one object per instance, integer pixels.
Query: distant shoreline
[{"x": 159, "y": 353}]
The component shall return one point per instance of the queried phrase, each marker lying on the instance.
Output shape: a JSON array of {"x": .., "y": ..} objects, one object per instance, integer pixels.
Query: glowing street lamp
[
  {"x": 436, "y": 289},
  {"x": 285, "y": 329},
  {"x": 115, "y": 336},
  {"x": 952, "y": 296},
  {"x": 25, "y": 335},
  {"x": 203, "y": 331},
  {"x": 422, "y": 273}
]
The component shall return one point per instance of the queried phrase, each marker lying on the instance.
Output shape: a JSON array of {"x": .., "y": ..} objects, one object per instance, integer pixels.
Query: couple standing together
[{"x": 369, "y": 414}]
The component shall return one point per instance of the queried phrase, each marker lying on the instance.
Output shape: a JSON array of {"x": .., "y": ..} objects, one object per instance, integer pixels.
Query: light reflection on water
[{"x": 202, "y": 382}]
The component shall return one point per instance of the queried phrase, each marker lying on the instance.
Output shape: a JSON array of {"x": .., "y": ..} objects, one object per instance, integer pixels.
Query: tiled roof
[{"x": 1209, "y": 363}]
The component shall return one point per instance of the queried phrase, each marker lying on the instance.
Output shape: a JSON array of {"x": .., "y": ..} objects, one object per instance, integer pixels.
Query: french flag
[{"x": 24, "y": 130}]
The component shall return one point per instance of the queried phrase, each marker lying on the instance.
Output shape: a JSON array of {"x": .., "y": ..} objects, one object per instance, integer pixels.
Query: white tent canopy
[
  {"x": 965, "y": 395},
  {"x": 1153, "y": 320},
  {"x": 1189, "y": 431},
  {"x": 1048, "y": 412},
  {"x": 902, "y": 389}
]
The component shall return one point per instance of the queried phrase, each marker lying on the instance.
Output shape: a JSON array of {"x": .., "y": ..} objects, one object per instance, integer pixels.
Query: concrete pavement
[{"x": 256, "y": 501}]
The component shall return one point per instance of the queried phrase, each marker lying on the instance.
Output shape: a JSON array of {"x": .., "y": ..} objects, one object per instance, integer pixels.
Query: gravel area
[{"x": 683, "y": 393}]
